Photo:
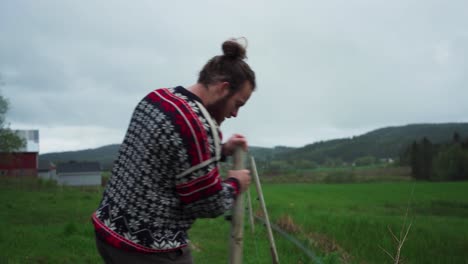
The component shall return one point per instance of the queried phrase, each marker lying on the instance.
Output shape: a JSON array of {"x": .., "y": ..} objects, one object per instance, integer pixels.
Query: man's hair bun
[
  {"x": 232, "y": 49},
  {"x": 229, "y": 67}
]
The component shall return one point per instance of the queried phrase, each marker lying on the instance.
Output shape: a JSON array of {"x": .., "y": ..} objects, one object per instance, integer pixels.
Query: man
[{"x": 167, "y": 172}]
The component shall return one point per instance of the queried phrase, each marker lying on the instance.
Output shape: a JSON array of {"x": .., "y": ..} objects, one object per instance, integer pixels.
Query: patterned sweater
[{"x": 166, "y": 175}]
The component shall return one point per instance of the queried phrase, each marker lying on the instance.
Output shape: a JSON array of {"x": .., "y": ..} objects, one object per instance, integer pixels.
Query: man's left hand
[{"x": 233, "y": 142}]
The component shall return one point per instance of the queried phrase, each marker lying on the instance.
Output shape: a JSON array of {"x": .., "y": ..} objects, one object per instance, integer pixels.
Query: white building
[
  {"x": 79, "y": 174},
  {"x": 47, "y": 170}
]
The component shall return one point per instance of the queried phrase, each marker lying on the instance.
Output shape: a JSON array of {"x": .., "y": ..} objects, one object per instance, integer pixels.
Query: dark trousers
[{"x": 112, "y": 255}]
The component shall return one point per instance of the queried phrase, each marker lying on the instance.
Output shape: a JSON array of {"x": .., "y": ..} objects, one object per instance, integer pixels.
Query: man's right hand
[{"x": 243, "y": 176}]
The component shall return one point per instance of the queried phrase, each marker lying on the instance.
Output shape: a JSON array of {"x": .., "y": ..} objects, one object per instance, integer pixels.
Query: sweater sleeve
[{"x": 203, "y": 194}]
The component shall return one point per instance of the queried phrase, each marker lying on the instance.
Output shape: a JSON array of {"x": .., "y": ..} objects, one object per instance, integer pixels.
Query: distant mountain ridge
[
  {"x": 105, "y": 155},
  {"x": 385, "y": 142}
]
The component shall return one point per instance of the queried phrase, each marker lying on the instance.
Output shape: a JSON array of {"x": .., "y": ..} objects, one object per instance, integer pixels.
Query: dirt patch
[
  {"x": 323, "y": 242},
  {"x": 259, "y": 213},
  {"x": 194, "y": 246},
  {"x": 328, "y": 245},
  {"x": 286, "y": 223}
]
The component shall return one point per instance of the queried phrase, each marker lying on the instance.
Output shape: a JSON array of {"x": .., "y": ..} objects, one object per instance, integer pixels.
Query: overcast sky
[{"x": 326, "y": 69}]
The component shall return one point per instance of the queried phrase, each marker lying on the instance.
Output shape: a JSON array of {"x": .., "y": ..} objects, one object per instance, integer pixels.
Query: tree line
[
  {"x": 438, "y": 162},
  {"x": 9, "y": 141}
]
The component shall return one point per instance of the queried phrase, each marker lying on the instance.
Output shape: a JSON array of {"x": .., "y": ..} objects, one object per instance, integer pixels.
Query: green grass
[
  {"x": 347, "y": 174},
  {"x": 356, "y": 216},
  {"x": 213, "y": 246},
  {"x": 45, "y": 223}
]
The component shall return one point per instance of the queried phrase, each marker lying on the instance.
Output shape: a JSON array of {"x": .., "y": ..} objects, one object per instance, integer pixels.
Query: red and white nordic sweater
[{"x": 166, "y": 175}]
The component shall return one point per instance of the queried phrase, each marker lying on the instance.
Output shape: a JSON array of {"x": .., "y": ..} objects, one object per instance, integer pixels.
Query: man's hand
[
  {"x": 233, "y": 142},
  {"x": 243, "y": 176}
]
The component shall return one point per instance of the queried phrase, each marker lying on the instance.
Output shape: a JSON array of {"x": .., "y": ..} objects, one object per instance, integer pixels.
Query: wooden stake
[
  {"x": 251, "y": 217},
  {"x": 274, "y": 253},
  {"x": 237, "y": 226}
]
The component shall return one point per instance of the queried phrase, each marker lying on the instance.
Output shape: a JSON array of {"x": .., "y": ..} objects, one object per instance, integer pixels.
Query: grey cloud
[{"x": 324, "y": 69}]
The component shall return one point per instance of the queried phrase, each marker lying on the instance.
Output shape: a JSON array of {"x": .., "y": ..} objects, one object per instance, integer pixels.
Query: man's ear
[{"x": 225, "y": 88}]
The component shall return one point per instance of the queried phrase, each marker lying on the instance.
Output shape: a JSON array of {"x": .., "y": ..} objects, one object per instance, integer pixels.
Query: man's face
[{"x": 228, "y": 105}]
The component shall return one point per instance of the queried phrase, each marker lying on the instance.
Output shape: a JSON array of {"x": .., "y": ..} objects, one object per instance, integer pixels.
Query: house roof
[
  {"x": 45, "y": 165},
  {"x": 71, "y": 167}
]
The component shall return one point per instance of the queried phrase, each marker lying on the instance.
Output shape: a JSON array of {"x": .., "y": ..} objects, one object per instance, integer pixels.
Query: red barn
[{"x": 23, "y": 162}]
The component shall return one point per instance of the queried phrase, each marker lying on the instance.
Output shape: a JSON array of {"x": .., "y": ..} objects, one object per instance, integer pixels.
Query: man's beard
[{"x": 217, "y": 109}]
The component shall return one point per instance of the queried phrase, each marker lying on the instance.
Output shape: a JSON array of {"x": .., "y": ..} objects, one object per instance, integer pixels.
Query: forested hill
[
  {"x": 386, "y": 142},
  {"x": 381, "y": 143},
  {"x": 104, "y": 155}
]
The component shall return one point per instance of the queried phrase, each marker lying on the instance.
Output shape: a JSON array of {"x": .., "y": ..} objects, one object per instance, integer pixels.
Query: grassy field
[
  {"x": 345, "y": 174},
  {"x": 354, "y": 219},
  {"x": 43, "y": 223}
]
